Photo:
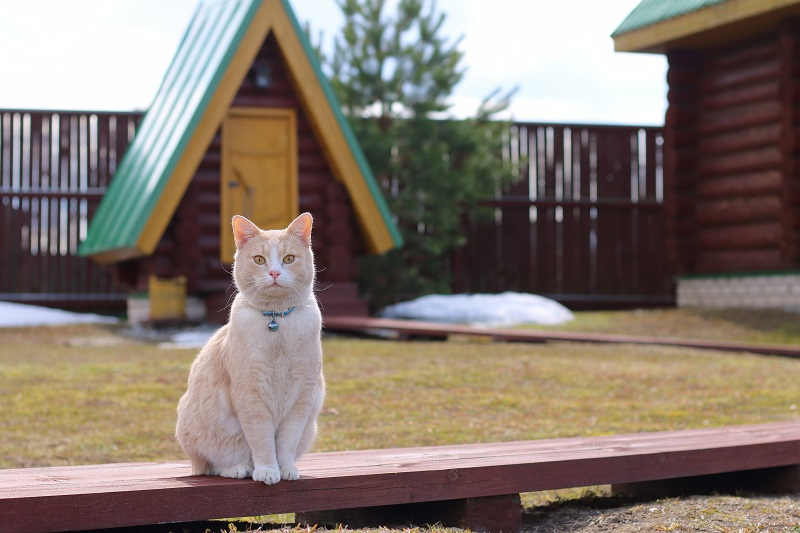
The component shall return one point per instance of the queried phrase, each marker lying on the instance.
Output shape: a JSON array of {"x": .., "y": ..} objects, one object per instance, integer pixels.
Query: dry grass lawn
[{"x": 89, "y": 394}]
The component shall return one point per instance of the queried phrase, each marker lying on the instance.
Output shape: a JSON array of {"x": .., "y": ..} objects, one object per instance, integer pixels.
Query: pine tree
[{"x": 394, "y": 74}]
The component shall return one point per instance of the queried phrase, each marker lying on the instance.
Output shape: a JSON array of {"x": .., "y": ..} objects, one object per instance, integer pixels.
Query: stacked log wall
[
  {"x": 731, "y": 156},
  {"x": 739, "y": 159},
  {"x": 790, "y": 138},
  {"x": 680, "y": 139}
]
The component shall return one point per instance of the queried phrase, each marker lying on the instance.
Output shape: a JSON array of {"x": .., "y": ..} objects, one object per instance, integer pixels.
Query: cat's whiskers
[
  {"x": 262, "y": 296},
  {"x": 229, "y": 303}
]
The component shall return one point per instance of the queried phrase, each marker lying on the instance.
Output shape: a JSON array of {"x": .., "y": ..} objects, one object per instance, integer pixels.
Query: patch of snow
[
  {"x": 181, "y": 340},
  {"x": 14, "y": 315},
  {"x": 506, "y": 309}
]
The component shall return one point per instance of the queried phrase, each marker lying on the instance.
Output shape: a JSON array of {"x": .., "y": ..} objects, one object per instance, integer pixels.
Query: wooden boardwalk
[
  {"x": 138, "y": 494},
  {"x": 412, "y": 328}
]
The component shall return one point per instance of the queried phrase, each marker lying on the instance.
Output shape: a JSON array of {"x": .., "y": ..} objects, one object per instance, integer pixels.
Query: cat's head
[{"x": 273, "y": 268}]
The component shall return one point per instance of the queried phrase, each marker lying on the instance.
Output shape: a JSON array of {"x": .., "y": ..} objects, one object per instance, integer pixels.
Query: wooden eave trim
[
  {"x": 117, "y": 255},
  {"x": 328, "y": 130},
  {"x": 205, "y": 130},
  {"x": 653, "y": 38}
]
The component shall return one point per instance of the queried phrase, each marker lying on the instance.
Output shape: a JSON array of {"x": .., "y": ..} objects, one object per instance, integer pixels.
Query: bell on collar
[{"x": 273, "y": 325}]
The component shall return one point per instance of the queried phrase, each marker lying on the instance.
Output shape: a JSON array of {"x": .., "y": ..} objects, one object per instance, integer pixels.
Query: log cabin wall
[
  {"x": 731, "y": 156},
  {"x": 739, "y": 159},
  {"x": 190, "y": 245},
  {"x": 680, "y": 198},
  {"x": 790, "y": 140}
]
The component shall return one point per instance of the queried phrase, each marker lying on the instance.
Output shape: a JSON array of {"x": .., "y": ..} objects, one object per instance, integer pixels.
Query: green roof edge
[
  {"x": 91, "y": 245},
  {"x": 199, "y": 111},
  {"x": 651, "y": 12},
  {"x": 347, "y": 131},
  {"x": 88, "y": 247}
]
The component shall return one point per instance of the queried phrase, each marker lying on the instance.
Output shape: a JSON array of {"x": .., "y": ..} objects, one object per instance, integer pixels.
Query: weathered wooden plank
[
  {"x": 587, "y": 253},
  {"x": 313, "y": 162},
  {"x": 98, "y": 496},
  {"x": 761, "y": 259},
  {"x": 790, "y": 101},
  {"x": 763, "y": 91},
  {"x": 515, "y": 248},
  {"x": 740, "y": 236},
  {"x": 341, "y": 298},
  {"x": 680, "y": 137},
  {"x": 748, "y": 52},
  {"x": 313, "y": 202},
  {"x": 739, "y": 210},
  {"x": 754, "y": 160},
  {"x": 733, "y": 118},
  {"x": 604, "y": 204},
  {"x": 734, "y": 141},
  {"x": 776, "y": 480},
  {"x": 414, "y": 327},
  {"x": 738, "y": 75},
  {"x": 614, "y": 244},
  {"x": 741, "y": 185},
  {"x": 654, "y": 270}
]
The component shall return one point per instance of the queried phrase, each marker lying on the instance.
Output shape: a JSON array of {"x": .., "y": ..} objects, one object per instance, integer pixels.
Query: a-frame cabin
[{"x": 245, "y": 123}]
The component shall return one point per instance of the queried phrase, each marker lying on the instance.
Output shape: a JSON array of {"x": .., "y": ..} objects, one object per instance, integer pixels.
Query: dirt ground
[
  {"x": 747, "y": 513},
  {"x": 716, "y": 513}
]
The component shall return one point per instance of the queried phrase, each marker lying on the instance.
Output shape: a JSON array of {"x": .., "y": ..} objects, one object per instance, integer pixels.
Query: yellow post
[{"x": 167, "y": 298}]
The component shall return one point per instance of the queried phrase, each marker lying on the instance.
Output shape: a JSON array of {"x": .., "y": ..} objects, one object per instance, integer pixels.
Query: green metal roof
[
  {"x": 210, "y": 43},
  {"x": 650, "y": 12},
  {"x": 205, "y": 50}
]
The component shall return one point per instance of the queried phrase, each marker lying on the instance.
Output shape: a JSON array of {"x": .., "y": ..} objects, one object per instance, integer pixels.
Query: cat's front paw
[
  {"x": 268, "y": 474},
  {"x": 239, "y": 471},
  {"x": 289, "y": 473}
]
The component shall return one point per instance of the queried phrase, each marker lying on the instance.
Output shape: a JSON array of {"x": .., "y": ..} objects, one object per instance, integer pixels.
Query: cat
[{"x": 256, "y": 387}]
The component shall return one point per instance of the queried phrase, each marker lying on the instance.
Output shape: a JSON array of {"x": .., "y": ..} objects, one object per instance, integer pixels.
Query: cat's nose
[{"x": 274, "y": 274}]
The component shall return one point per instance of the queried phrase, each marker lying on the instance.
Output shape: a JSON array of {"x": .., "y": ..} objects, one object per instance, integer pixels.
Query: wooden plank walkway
[
  {"x": 136, "y": 494},
  {"x": 429, "y": 329}
]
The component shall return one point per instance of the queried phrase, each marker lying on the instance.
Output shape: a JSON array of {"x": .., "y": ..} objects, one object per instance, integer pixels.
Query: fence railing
[
  {"x": 582, "y": 222},
  {"x": 54, "y": 169}
]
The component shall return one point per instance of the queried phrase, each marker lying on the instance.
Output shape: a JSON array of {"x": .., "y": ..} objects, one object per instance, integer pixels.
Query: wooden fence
[
  {"x": 583, "y": 222},
  {"x": 54, "y": 169}
]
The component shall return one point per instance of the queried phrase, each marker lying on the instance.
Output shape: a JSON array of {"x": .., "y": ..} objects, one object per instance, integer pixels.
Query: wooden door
[{"x": 259, "y": 171}]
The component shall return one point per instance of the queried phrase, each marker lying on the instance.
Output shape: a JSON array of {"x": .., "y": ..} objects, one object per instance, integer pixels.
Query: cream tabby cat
[{"x": 256, "y": 387}]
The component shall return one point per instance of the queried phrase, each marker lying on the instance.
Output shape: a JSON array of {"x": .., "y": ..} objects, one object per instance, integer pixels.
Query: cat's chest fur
[{"x": 290, "y": 355}]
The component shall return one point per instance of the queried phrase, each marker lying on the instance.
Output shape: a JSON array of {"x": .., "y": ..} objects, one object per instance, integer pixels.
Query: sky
[{"x": 112, "y": 55}]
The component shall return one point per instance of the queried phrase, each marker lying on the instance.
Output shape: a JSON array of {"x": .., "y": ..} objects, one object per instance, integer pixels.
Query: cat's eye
[
  {"x": 289, "y": 259},
  {"x": 259, "y": 259}
]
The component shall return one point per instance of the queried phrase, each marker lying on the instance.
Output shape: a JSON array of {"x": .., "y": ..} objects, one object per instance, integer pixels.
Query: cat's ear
[
  {"x": 301, "y": 227},
  {"x": 243, "y": 230}
]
